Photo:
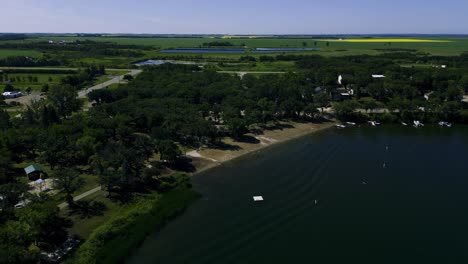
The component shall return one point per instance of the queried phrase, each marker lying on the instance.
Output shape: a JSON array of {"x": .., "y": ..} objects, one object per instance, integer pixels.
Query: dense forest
[{"x": 171, "y": 106}]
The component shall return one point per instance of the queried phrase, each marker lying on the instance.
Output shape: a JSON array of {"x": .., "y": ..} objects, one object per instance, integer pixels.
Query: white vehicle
[{"x": 10, "y": 95}]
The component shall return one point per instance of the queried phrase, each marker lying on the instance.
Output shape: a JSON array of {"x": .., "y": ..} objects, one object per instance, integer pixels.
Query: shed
[{"x": 34, "y": 172}]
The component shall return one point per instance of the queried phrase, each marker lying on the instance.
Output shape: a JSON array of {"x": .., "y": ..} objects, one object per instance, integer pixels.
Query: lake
[{"x": 390, "y": 194}]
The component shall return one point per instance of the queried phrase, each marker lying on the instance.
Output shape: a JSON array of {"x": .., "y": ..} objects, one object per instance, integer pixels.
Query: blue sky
[{"x": 235, "y": 17}]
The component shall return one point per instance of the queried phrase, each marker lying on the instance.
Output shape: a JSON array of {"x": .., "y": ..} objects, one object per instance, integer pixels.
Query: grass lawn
[
  {"x": 83, "y": 226},
  {"x": 21, "y": 81}
]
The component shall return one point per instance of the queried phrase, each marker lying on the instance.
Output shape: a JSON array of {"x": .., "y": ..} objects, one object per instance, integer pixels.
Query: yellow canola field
[{"x": 379, "y": 40}]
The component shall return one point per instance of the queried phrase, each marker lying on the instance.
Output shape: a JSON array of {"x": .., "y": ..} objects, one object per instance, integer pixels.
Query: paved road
[
  {"x": 81, "y": 196},
  {"x": 118, "y": 79},
  {"x": 34, "y": 96}
]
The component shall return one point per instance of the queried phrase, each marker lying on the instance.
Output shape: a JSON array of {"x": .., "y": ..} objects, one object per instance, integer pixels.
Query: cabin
[{"x": 34, "y": 172}]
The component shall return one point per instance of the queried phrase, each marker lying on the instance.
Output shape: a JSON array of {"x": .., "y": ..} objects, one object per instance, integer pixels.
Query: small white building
[{"x": 378, "y": 76}]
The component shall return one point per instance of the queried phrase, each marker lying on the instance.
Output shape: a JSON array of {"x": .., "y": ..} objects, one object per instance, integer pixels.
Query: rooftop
[{"x": 32, "y": 168}]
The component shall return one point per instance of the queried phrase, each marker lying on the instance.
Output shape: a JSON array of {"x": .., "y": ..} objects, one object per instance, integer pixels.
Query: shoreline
[{"x": 207, "y": 158}]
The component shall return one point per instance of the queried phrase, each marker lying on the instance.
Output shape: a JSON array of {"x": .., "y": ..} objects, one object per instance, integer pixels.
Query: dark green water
[{"x": 415, "y": 210}]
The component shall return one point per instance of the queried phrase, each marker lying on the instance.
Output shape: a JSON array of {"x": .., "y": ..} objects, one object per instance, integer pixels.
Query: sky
[{"x": 235, "y": 17}]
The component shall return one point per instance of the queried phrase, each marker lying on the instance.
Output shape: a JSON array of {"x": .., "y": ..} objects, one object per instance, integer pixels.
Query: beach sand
[{"x": 229, "y": 149}]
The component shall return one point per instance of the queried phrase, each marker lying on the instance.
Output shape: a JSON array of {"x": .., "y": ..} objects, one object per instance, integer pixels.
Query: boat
[
  {"x": 374, "y": 123},
  {"x": 315, "y": 202},
  {"x": 403, "y": 123},
  {"x": 445, "y": 124},
  {"x": 258, "y": 198},
  {"x": 351, "y": 123},
  {"x": 340, "y": 126},
  {"x": 417, "y": 124}
]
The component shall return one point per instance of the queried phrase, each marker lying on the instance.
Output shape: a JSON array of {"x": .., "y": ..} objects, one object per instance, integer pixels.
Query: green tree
[
  {"x": 346, "y": 109},
  {"x": 64, "y": 99},
  {"x": 15, "y": 239},
  {"x": 464, "y": 83},
  {"x": 368, "y": 103},
  {"x": 5, "y": 122},
  {"x": 46, "y": 228},
  {"x": 168, "y": 150},
  {"x": 127, "y": 77},
  {"x": 322, "y": 100},
  {"x": 68, "y": 181}
]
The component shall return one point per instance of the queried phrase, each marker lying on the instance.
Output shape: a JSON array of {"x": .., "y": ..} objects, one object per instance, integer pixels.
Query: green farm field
[
  {"x": 450, "y": 46},
  {"x": 10, "y": 53}
]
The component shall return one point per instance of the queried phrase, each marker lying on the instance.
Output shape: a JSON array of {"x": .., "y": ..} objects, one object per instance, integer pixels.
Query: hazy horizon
[{"x": 257, "y": 17}]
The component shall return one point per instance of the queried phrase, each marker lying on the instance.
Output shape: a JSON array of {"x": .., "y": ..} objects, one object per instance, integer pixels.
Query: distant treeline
[
  {"x": 85, "y": 48},
  {"x": 23, "y": 61},
  {"x": 218, "y": 44},
  {"x": 12, "y": 37},
  {"x": 39, "y": 71}
]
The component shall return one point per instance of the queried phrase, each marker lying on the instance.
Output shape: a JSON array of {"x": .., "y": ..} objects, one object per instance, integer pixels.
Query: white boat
[
  {"x": 340, "y": 126},
  {"x": 258, "y": 198},
  {"x": 316, "y": 202},
  {"x": 374, "y": 123},
  {"x": 351, "y": 123},
  {"x": 403, "y": 123},
  {"x": 417, "y": 124},
  {"x": 445, "y": 124}
]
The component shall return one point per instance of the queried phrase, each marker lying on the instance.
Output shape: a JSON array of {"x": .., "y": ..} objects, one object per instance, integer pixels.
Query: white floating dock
[{"x": 258, "y": 198}]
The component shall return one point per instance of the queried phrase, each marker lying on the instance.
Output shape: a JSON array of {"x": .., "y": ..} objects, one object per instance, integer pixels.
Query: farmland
[
  {"x": 434, "y": 45},
  {"x": 123, "y": 51},
  {"x": 11, "y": 52}
]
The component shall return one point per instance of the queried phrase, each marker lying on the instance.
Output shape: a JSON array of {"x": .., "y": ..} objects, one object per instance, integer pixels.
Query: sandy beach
[{"x": 229, "y": 149}]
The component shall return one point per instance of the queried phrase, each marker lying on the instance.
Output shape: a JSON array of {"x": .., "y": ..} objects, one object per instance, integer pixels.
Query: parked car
[{"x": 11, "y": 95}]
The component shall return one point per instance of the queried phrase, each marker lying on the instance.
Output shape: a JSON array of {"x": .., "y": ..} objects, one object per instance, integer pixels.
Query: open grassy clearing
[
  {"x": 83, "y": 226},
  {"x": 22, "y": 81}
]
